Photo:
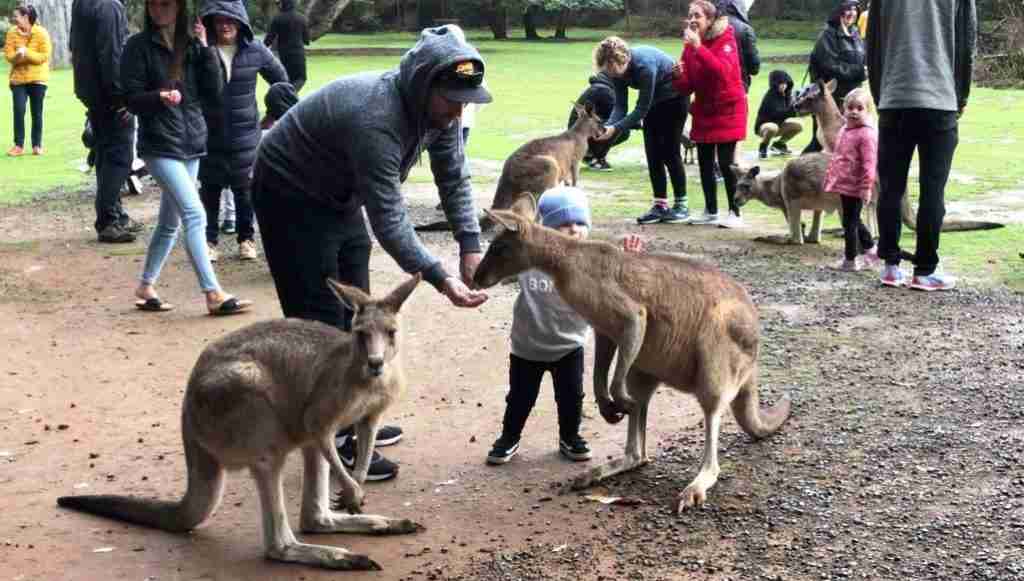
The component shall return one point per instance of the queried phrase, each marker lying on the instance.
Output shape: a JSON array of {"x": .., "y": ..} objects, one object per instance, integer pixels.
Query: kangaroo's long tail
[
  {"x": 205, "y": 486},
  {"x": 909, "y": 217},
  {"x": 755, "y": 421}
]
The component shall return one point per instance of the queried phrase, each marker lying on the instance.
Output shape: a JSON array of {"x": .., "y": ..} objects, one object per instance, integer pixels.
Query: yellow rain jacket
[{"x": 34, "y": 66}]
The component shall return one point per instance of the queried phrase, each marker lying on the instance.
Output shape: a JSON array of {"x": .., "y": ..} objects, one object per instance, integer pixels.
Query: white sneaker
[
  {"x": 705, "y": 218},
  {"x": 247, "y": 250},
  {"x": 731, "y": 220}
]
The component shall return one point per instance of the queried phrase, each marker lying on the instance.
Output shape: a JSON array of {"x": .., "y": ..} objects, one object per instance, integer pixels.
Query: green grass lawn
[{"x": 533, "y": 84}]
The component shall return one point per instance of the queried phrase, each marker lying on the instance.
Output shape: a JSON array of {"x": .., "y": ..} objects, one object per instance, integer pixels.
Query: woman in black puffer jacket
[
  {"x": 168, "y": 76},
  {"x": 838, "y": 54},
  {"x": 234, "y": 127}
]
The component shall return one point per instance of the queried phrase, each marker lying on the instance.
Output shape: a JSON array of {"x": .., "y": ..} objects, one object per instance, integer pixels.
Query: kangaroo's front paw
[
  {"x": 691, "y": 496},
  {"x": 610, "y": 411},
  {"x": 349, "y": 500},
  {"x": 404, "y": 526},
  {"x": 622, "y": 400}
]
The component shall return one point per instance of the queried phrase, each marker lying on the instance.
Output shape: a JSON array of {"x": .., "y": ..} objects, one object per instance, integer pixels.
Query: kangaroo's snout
[{"x": 375, "y": 365}]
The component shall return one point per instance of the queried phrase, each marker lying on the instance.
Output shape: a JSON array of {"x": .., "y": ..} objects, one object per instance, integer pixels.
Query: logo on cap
[{"x": 465, "y": 68}]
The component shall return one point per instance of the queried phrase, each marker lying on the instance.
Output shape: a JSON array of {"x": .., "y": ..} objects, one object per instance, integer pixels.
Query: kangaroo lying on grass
[
  {"x": 673, "y": 320},
  {"x": 264, "y": 390},
  {"x": 541, "y": 164},
  {"x": 816, "y": 99}
]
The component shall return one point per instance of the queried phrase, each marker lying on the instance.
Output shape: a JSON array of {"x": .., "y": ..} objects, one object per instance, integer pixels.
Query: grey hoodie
[{"x": 352, "y": 143}]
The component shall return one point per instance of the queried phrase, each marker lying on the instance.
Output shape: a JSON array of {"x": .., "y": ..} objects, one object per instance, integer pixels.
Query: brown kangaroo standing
[
  {"x": 267, "y": 389},
  {"x": 673, "y": 320}
]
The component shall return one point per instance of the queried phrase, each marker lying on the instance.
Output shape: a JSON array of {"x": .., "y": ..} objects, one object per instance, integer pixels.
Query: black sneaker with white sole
[
  {"x": 502, "y": 451},
  {"x": 575, "y": 449},
  {"x": 380, "y": 467},
  {"x": 386, "y": 436}
]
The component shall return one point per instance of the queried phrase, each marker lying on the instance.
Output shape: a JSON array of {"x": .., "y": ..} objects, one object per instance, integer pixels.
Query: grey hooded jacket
[
  {"x": 353, "y": 142},
  {"x": 746, "y": 39}
]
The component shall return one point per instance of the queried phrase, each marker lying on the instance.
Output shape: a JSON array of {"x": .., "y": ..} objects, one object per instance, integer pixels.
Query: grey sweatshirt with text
[
  {"x": 353, "y": 142},
  {"x": 544, "y": 327}
]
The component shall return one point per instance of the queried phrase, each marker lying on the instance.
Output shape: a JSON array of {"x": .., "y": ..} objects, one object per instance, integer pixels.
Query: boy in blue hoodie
[{"x": 776, "y": 116}]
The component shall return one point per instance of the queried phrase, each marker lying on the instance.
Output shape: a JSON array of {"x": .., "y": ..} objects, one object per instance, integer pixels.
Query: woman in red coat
[{"x": 710, "y": 69}]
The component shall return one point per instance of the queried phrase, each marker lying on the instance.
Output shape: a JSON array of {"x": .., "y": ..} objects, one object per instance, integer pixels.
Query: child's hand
[
  {"x": 170, "y": 98},
  {"x": 633, "y": 244},
  {"x": 199, "y": 31}
]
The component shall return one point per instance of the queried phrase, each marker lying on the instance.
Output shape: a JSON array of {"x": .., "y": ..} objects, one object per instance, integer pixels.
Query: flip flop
[
  {"x": 231, "y": 306},
  {"x": 153, "y": 304}
]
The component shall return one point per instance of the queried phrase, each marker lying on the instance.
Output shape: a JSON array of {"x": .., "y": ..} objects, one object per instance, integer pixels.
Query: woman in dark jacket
[
  {"x": 234, "y": 127},
  {"x": 168, "y": 76},
  {"x": 838, "y": 54},
  {"x": 290, "y": 30}
]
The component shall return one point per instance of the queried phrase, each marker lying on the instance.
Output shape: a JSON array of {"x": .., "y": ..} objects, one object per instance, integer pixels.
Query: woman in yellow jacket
[{"x": 28, "y": 50}]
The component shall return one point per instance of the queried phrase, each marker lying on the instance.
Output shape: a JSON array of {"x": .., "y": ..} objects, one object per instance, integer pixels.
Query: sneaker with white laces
[
  {"x": 247, "y": 250},
  {"x": 731, "y": 220},
  {"x": 574, "y": 448},
  {"x": 892, "y": 275},
  {"x": 503, "y": 450},
  {"x": 705, "y": 218},
  {"x": 870, "y": 258},
  {"x": 211, "y": 249},
  {"x": 386, "y": 436},
  {"x": 936, "y": 281},
  {"x": 380, "y": 467},
  {"x": 654, "y": 215}
]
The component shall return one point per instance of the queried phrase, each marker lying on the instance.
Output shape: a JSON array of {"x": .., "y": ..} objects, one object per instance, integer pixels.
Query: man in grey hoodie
[{"x": 349, "y": 145}]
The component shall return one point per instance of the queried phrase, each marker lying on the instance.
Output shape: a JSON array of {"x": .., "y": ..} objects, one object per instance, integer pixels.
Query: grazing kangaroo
[
  {"x": 266, "y": 389},
  {"x": 540, "y": 164},
  {"x": 673, "y": 320},
  {"x": 817, "y": 99}
]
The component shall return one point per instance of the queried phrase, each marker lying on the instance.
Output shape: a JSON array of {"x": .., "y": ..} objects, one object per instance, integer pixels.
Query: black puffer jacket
[
  {"x": 234, "y": 127},
  {"x": 600, "y": 94},
  {"x": 177, "y": 132},
  {"x": 838, "y": 55},
  {"x": 98, "y": 32},
  {"x": 289, "y": 29},
  {"x": 746, "y": 40},
  {"x": 776, "y": 107}
]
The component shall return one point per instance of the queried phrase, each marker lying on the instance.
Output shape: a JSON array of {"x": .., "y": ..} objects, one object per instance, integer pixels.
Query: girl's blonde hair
[
  {"x": 611, "y": 50},
  {"x": 710, "y": 10},
  {"x": 863, "y": 96}
]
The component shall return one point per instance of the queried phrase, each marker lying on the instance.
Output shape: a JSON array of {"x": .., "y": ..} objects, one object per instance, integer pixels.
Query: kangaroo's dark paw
[{"x": 611, "y": 411}]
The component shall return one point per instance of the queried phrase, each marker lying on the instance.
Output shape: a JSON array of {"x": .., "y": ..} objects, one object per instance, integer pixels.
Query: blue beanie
[{"x": 564, "y": 205}]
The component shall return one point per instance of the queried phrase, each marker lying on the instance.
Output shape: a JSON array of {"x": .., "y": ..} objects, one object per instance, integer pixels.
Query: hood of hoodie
[
  {"x": 837, "y": 12},
  {"x": 780, "y": 76},
  {"x": 232, "y": 9},
  {"x": 602, "y": 79},
  {"x": 436, "y": 50},
  {"x": 737, "y": 8}
]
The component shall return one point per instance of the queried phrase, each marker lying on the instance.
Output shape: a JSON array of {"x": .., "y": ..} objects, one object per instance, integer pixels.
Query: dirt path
[{"x": 903, "y": 459}]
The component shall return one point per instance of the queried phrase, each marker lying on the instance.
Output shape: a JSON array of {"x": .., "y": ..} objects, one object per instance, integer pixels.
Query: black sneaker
[
  {"x": 502, "y": 451},
  {"x": 380, "y": 467},
  {"x": 386, "y": 436},
  {"x": 115, "y": 234},
  {"x": 762, "y": 151},
  {"x": 601, "y": 165},
  {"x": 228, "y": 227},
  {"x": 131, "y": 225},
  {"x": 779, "y": 148},
  {"x": 575, "y": 448},
  {"x": 656, "y": 214}
]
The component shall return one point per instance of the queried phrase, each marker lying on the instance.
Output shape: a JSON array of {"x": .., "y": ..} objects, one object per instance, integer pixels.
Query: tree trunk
[
  {"x": 629, "y": 23},
  {"x": 55, "y": 16},
  {"x": 498, "y": 21},
  {"x": 322, "y": 14},
  {"x": 529, "y": 22},
  {"x": 563, "y": 23}
]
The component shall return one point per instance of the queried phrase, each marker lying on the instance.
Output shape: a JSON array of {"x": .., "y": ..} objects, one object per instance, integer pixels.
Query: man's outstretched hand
[{"x": 461, "y": 295}]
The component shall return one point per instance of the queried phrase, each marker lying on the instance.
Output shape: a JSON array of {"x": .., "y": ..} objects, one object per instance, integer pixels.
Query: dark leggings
[
  {"x": 210, "y": 194},
  {"x": 34, "y": 93},
  {"x": 663, "y": 130},
  {"x": 524, "y": 377},
  {"x": 858, "y": 239},
  {"x": 706, "y": 160}
]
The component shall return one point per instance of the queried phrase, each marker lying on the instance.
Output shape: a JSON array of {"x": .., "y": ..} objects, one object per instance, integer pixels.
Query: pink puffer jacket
[{"x": 854, "y": 162}]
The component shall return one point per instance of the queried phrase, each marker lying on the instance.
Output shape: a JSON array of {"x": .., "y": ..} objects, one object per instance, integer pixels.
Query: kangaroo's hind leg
[
  {"x": 641, "y": 388},
  {"x": 279, "y": 541},
  {"x": 815, "y": 235},
  {"x": 317, "y": 515}
]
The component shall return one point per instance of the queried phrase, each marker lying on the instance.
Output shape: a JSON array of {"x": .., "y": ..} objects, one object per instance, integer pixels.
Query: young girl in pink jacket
[{"x": 851, "y": 174}]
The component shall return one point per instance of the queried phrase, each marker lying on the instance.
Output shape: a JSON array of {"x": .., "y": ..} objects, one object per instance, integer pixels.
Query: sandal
[
  {"x": 153, "y": 304},
  {"x": 231, "y": 306}
]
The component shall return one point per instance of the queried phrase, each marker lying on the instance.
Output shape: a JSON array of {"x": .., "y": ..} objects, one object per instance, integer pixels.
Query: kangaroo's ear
[
  {"x": 831, "y": 86},
  {"x": 503, "y": 218},
  {"x": 754, "y": 171},
  {"x": 397, "y": 297},
  {"x": 353, "y": 298},
  {"x": 525, "y": 206},
  {"x": 589, "y": 108},
  {"x": 737, "y": 170},
  {"x": 580, "y": 109}
]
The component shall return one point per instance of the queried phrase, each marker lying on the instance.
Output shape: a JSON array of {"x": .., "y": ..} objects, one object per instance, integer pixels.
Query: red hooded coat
[{"x": 713, "y": 74}]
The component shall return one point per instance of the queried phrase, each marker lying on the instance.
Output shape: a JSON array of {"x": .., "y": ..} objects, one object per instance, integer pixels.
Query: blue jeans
[
  {"x": 34, "y": 94},
  {"x": 179, "y": 203}
]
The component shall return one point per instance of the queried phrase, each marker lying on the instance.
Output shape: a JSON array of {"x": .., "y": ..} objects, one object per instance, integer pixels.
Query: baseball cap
[{"x": 462, "y": 82}]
